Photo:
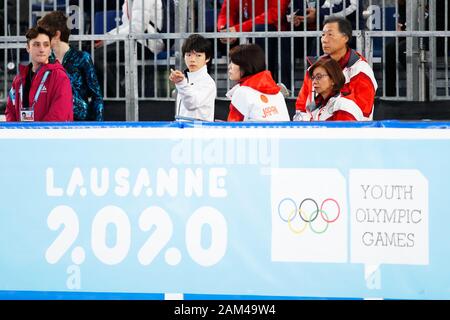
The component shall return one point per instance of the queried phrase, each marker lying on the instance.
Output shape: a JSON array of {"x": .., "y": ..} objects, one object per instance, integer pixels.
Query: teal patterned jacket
[{"x": 87, "y": 96}]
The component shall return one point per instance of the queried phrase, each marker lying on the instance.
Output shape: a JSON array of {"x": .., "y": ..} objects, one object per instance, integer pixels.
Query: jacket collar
[
  {"x": 344, "y": 61},
  {"x": 320, "y": 101},
  {"x": 196, "y": 75},
  {"x": 23, "y": 68},
  {"x": 350, "y": 58},
  {"x": 261, "y": 81}
]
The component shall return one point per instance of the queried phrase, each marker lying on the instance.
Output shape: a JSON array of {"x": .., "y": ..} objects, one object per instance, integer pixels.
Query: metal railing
[{"x": 420, "y": 52}]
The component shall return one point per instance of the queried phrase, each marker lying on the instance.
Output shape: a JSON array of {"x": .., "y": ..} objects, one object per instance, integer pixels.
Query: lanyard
[
  {"x": 38, "y": 92},
  {"x": 21, "y": 95}
]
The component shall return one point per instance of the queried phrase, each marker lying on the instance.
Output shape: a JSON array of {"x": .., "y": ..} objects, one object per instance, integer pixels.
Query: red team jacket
[
  {"x": 55, "y": 102},
  {"x": 257, "y": 98},
  {"x": 247, "y": 14},
  {"x": 360, "y": 87}
]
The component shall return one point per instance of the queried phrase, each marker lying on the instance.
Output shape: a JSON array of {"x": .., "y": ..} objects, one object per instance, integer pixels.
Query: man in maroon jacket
[{"x": 41, "y": 91}]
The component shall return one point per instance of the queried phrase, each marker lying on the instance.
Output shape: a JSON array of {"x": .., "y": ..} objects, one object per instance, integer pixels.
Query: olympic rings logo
[{"x": 288, "y": 209}]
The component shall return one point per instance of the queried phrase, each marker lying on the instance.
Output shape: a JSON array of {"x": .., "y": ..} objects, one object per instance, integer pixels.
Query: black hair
[
  {"x": 344, "y": 25},
  {"x": 249, "y": 57},
  {"x": 197, "y": 43}
]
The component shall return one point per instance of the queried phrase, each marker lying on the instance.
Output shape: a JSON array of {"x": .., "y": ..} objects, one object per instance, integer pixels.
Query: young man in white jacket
[
  {"x": 138, "y": 16},
  {"x": 196, "y": 89}
]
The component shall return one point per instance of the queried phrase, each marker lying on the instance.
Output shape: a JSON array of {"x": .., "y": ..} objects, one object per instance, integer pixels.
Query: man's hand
[
  {"x": 400, "y": 27},
  {"x": 310, "y": 15},
  {"x": 176, "y": 76},
  {"x": 298, "y": 20},
  {"x": 310, "y": 18},
  {"x": 229, "y": 40},
  {"x": 99, "y": 44}
]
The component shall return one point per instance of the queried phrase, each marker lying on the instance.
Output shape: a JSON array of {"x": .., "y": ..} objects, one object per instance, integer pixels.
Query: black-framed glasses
[{"x": 319, "y": 76}]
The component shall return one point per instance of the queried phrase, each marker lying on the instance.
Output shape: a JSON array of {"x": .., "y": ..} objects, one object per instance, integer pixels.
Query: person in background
[
  {"x": 196, "y": 89},
  {"x": 254, "y": 18},
  {"x": 144, "y": 16},
  {"x": 360, "y": 85},
  {"x": 344, "y": 8},
  {"x": 79, "y": 67},
  {"x": 256, "y": 97},
  {"x": 41, "y": 91},
  {"x": 247, "y": 12},
  {"x": 300, "y": 19},
  {"x": 328, "y": 80},
  {"x": 316, "y": 12}
]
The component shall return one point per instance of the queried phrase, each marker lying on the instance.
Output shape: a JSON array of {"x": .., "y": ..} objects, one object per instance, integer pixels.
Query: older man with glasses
[{"x": 360, "y": 84}]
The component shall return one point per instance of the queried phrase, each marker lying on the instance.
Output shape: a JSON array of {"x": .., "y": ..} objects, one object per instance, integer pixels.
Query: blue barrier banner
[{"x": 306, "y": 211}]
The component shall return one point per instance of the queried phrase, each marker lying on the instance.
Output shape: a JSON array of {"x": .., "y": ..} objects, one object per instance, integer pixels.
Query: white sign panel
[
  {"x": 309, "y": 215},
  {"x": 389, "y": 217}
]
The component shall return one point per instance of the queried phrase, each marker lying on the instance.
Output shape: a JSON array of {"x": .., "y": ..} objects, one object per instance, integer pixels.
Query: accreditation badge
[{"x": 27, "y": 115}]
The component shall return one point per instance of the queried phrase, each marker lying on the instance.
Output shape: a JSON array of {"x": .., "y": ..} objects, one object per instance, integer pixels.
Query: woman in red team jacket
[
  {"x": 256, "y": 97},
  {"x": 41, "y": 91}
]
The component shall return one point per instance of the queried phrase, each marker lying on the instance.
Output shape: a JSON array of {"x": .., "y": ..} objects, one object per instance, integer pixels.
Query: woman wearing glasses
[{"x": 329, "y": 103}]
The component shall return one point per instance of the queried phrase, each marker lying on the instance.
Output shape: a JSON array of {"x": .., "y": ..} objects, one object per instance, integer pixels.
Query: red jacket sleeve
[
  {"x": 272, "y": 16},
  {"x": 10, "y": 112},
  {"x": 362, "y": 92},
  {"x": 222, "y": 18},
  {"x": 247, "y": 26},
  {"x": 234, "y": 115},
  {"x": 305, "y": 91},
  {"x": 61, "y": 103}
]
